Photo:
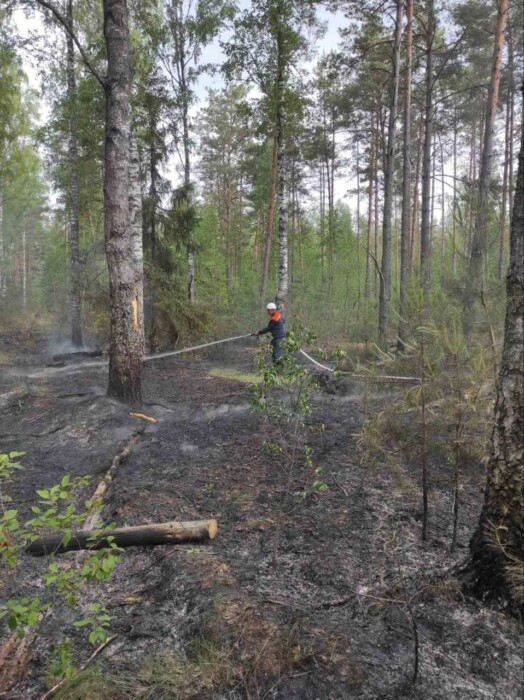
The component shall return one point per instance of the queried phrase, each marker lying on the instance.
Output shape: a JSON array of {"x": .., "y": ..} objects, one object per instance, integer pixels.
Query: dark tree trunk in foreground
[
  {"x": 74, "y": 235},
  {"x": 125, "y": 344},
  {"x": 495, "y": 567},
  {"x": 425, "y": 224},
  {"x": 406, "y": 181},
  {"x": 389, "y": 174}
]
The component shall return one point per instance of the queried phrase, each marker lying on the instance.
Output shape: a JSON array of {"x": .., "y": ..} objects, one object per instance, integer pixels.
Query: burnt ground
[{"x": 298, "y": 598}]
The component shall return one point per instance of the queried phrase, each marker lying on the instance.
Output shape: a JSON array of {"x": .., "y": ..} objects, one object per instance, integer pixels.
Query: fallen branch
[
  {"x": 173, "y": 532},
  {"x": 54, "y": 690},
  {"x": 102, "y": 487}
]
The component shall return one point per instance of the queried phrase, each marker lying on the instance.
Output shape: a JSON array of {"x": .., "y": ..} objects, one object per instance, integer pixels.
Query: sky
[{"x": 333, "y": 22}]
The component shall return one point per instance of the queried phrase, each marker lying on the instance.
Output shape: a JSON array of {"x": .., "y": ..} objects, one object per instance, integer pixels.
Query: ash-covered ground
[{"x": 298, "y": 598}]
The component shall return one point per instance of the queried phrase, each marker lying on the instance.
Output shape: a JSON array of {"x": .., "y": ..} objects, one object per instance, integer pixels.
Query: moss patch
[{"x": 231, "y": 373}]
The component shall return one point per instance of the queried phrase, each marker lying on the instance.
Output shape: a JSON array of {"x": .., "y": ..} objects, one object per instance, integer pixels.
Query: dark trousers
[{"x": 277, "y": 350}]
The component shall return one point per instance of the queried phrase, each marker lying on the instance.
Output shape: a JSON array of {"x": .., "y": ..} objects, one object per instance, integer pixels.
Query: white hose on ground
[
  {"x": 381, "y": 377},
  {"x": 195, "y": 347}
]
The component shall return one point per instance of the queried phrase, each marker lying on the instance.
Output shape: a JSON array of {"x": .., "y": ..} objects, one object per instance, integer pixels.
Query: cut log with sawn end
[{"x": 173, "y": 532}]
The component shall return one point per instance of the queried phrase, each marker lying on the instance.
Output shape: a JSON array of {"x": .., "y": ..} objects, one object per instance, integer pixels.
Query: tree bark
[
  {"x": 125, "y": 343},
  {"x": 24, "y": 269},
  {"x": 389, "y": 174},
  {"x": 3, "y": 278},
  {"x": 135, "y": 215},
  {"x": 406, "y": 182},
  {"x": 367, "y": 280},
  {"x": 138, "y": 536},
  {"x": 454, "y": 217},
  {"x": 480, "y": 230},
  {"x": 502, "y": 225},
  {"x": 494, "y": 569},
  {"x": 414, "y": 219},
  {"x": 283, "y": 269},
  {"x": 269, "y": 220},
  {"x": 74, "y": 230},
  {"x": 425, "y": 225}
]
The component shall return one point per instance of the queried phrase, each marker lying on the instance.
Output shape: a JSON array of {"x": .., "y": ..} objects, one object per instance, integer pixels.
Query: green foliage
[
  {"x": 57, "y": 512},
  {"x": 60, "y": 663},
  {"x": 283, "y": 398}
]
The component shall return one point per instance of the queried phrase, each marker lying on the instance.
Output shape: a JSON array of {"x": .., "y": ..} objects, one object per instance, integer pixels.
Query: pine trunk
[
  {"x": 3, "y": 266},
  {"x": 480, "y": 230},
  {"x": 283, "y": 270},
  {"x": 367, "y": 280},
  {"x": 125, "y": 343},
  {"x": 74, "y": 232},
  {"x": 389, "y": 174},
  {"x": 406, "y": 182},
  {"x": 425, "y": 225},
  {"x": 494, "y": 569},
  {"x": 502, "y": 226}
]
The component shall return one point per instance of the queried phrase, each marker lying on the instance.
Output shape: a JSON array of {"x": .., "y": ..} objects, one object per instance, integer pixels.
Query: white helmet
[{"x": 271, "y": 306}]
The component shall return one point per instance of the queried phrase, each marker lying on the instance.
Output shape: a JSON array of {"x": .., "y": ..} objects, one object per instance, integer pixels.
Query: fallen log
[{"x": 173, "y": 532}]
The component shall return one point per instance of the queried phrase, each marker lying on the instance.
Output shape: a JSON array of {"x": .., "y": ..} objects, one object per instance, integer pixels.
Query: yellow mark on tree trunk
[{"x": 135, "y": 308}]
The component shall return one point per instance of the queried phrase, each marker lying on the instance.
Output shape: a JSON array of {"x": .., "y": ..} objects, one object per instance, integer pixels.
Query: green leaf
[{"x": 82, "y": 623}]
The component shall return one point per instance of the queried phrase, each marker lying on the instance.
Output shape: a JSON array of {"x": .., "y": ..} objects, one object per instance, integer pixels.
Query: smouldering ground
[{"x": 297, "y": 598}]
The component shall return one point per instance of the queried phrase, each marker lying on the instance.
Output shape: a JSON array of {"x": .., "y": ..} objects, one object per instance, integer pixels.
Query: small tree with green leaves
[{"x": 57, "y": 512}]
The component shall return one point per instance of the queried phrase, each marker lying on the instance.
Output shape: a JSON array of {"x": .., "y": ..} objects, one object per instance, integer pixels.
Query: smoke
[{"x": 57, "y": 346}]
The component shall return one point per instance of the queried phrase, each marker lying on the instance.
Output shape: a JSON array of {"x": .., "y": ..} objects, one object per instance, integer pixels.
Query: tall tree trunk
[
  {"x": 74, "y": 233},
  {"x": 511, "y": 67},
  {"x": 389, "y": 174},
  {"x": 135, "y": 216},
  {"x": 270, "y": 217},
  {"x": 367, "y": 281},
  {"x": 24, "y": 270},
  {"x": 283, "y": 270},
  {"x": 125, "y": 343},
  {"x": 494, "y": 568},
  {"x": 375, "y": 192},
  {"x": 3, "y": 266},
  {"x": 454, "y": 217},
  {"x": 481, "y": 227},
  {"x": 359, "y": 284},
  {"x": 151, "y": 296},
  {"x": 413, "y": 238},
  {"x": 425, "y": 224},
  {"x": 502, "y": 226},
  {"x": 406, "y": 182},
  {"x": 442, "y": 209}
]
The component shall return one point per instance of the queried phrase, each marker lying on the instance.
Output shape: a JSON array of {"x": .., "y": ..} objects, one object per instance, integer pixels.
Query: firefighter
[{"x": 276, "y": 328}]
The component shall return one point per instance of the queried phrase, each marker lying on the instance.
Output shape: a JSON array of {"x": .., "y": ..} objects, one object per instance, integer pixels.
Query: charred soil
[{"x": 302, "y": 595}]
